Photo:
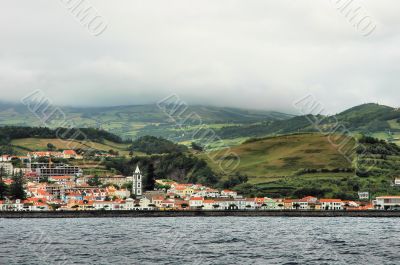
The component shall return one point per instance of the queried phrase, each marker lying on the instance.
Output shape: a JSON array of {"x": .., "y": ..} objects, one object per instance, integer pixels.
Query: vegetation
[
  {"x": 17, "y": 188},
  {"x": 94, "y": 182},
  {"x": 175, "y": 166},
  {"x": 156, "y": 145},
  {"x": 150, "y": 178},
  {"x": 271, "y": 158}
]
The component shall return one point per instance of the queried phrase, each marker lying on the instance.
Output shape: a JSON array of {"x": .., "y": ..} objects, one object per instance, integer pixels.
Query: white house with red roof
[
  {"x": 229, "y": 193},
  {"x": 387, "y": 202},
  {"x": 196, "y": 202},
  {"x": 331, "y": 204}
]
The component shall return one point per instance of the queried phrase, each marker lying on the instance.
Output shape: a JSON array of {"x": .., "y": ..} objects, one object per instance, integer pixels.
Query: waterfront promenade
[{"x": 198, "y": 213}]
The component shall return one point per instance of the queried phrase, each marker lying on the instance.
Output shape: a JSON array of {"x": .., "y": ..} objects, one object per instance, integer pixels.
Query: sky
[{"x": 257, "y": 54}]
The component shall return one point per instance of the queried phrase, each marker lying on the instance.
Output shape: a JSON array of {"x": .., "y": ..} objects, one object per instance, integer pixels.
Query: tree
[
  {"x": 17, "y": 187},
  {"x": 150, "y": 178},
  {"x": 51, "y": 147},
  {"x": 3, "y": 186},
  {"x": 95, "y": 181},
  {"x": 197, "y": 147},
  {"x": 296, "y": 206}
]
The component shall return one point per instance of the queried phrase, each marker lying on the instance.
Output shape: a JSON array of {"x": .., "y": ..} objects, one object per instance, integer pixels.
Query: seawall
[{"x": 194, "y": 213}]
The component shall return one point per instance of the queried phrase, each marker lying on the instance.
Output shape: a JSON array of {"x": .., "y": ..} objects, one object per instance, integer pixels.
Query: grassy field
[
  {"x": 272, "y": 158},
  {"x": 40, "y": 144}
]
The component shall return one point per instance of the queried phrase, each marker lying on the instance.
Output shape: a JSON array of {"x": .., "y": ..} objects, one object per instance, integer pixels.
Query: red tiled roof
[
  {"x": 388, "y": 197},
  {"x": 331, "y": 200},
  {"x": 69, "y": 152}
]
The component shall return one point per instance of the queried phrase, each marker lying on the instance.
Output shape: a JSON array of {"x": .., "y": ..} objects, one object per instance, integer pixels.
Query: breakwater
[{"x": 196, "y": 213}]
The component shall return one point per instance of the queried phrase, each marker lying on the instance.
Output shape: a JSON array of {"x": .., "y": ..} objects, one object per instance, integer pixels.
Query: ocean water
[{"x": 208, "y": 240}]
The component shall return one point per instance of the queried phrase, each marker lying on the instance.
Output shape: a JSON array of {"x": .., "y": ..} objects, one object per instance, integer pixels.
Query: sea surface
[{"x": 200, "y": 240}]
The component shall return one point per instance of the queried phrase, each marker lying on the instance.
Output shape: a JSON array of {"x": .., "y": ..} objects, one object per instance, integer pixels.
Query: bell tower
[{"x": 137, "y": 183}]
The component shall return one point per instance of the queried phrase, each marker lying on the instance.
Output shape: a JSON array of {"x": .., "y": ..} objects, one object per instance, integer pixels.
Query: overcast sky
[{"x": 255, "y": 54}]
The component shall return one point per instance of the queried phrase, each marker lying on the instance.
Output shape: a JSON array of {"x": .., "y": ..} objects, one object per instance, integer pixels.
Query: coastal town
[{"x": 49, "y": 186}]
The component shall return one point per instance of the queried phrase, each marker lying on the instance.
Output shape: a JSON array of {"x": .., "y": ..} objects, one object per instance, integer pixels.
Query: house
[
  {"x": 80, "y": 205},
  {"x": 196, "y": 202},
  {"x": 269, "y": 203},
  {"x": 210, "y": 205},
  {"x": 250, "y": 204},
  {"x": 109, "y": 205},
  {"x": 387, "y": 202},
  {"x": 228, "y": 193},
  {"x": 35, "y": 204},
  {"x": 16, "y": 205},
  {"x": 181, "y": 204},
  {"x": 331, "y": 204},
  {"x": 67, "y": 154},
  {"x": 288, "y": 204},
  {"x": 300, "y": 204},
  {"x": 61, "y": 180},
  {"x": 157, "y": 200},
  {"x": 5, "y": 158},
  {"x": 7, "y": 167},
  {"x": 167, "y": 203}
]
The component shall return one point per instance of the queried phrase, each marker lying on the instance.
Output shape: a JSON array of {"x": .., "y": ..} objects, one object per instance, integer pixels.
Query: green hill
[
  {"x": 271, "y": 158},
  {"x": 139, "y": 120},
  {"x": 373, "y": 119},
  {"x": 19, "y": 140},
  {"x": 308, "y": 164}
]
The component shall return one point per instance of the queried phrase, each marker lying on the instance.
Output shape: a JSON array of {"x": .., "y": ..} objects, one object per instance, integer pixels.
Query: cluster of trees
[
  {"x": 156, "y": 145},
  {"x": 323, "y": 170},
  {"x": 180, "y": 167},
  {"x": 300, "y": 123},
  {"x": 8, "y": 133},
  {"x": 13, "y": 191},
  {"x": 233, "y": 181}
]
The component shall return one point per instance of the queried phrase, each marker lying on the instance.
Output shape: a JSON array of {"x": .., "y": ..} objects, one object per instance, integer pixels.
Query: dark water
[{"x": 225, "y": 240}]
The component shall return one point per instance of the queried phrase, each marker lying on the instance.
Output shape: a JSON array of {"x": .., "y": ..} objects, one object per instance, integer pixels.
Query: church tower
[{"x": 137, "y": 183}]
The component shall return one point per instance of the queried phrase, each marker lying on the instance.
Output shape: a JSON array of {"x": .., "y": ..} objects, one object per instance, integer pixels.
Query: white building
[
  {"x": 137, "y": 185},
  {"x": 397, "y": 182},
  {"x": 228, "y": 193},
  {"x": 387, "y": 202},
  {"x": 7, "y": 167},
  {"x": 331, "y": 204}
]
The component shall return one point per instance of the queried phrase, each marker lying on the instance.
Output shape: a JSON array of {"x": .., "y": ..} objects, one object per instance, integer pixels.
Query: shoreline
[{"x": 196, "y": 213}]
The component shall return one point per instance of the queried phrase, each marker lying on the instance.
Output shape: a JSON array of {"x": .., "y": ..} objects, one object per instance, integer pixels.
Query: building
[
  {"x": 331, "y": 204},
  {"x": 387, "y": 202},
  {"x": 67, "y": 154},
  {"x": 397, "y": 181},
  {"x": 118, "y": 180},
  {"x": 228, "y": 193},
  {"x": 7, "y": 167},
  {"x": 5, "y": 158},
  {"x": 196, "y": 202},
  {"x": 137, "y": 185},
  {"x": 45, "y": 170},
  {"x": 363, "y": 195}
]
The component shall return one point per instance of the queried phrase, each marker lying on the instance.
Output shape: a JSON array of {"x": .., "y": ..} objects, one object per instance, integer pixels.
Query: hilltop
[
  {"x": 234, "y": 125},
  {"x": 139, "y": 120},
  {"x": 372, "y": 119},
  {"x": 271, "y": 158}
]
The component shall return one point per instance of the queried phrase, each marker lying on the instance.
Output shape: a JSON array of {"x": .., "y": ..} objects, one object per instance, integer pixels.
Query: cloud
[{"x": 258, "y": 54}]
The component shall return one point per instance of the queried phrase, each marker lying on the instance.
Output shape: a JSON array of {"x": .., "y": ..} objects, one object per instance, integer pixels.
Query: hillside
[
  {"x": 19, "y": 140},
  {"x": 40, "y": 144},
  {"x": 272, "y": 158},
  {"x": 377, "y": 120},
  {"x": 140, "y": 120}
]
